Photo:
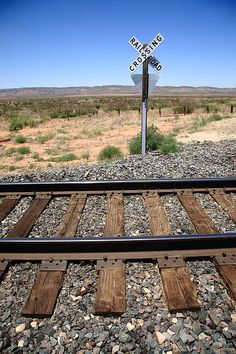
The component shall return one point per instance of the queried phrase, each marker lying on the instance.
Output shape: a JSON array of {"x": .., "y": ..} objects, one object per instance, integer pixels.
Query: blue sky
[{"x": 85, "y": 42}]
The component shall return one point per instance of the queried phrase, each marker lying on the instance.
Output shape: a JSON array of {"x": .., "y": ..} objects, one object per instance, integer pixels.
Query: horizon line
[{"x": 111, "y": 85}]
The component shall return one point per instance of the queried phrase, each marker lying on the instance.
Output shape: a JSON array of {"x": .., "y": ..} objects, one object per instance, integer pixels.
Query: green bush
[
  {"x": 15, "y": 123},
  {"x": 169, "y": 145},
  {"x": 110, "y": 152},
  {"x": 214, "y": 117},
  {"x": 135, "y": 145},
  {"x": 18, "y": 123},
  {"x": 23, "y": 150},
  {"x": 63, "y": 114},
  {"x": 213, "y": 107},
  {"x": 202, "y": 122},
  {"x": 67, "y": 113},
  {"x": 10, "y": 151},
  {"x": 20, "y": 139},
  {"x": 19, "y": 158},
  {"x": 155, "y": 141},
  {"x": 64, "y": 158},
  {"x": 91, "y": 133},
  {"x": 183, "y": 108},
  {"x": 43, "y": 138},
  {"x": 197, "y": 125},
  {"x": 28, "y": 121}
]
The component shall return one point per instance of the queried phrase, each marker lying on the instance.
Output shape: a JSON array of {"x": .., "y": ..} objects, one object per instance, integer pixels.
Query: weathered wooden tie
[
  {"x": 27, "y": 221},
  {"x": 7, "y": 205},
  {"x": 226, "y": 266},
  {"x": 226, "y": 202},
  {"x": 110, "y": 296},
  {"x": 158, "y": 220},
  {"x": 3, "y": 268},
  {"x": 200, "y": 219},
  {"x": 203, "y": 224},
  {"x": 71, "y": 218},
  {"x": 43, "y": 296},
  {"x": 179, "y": 290}
]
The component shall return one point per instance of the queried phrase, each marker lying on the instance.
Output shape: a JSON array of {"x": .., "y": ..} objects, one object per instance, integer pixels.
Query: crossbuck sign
[
  {"x": 145, "y": 82},
  {"x": 145, "y": 52}
]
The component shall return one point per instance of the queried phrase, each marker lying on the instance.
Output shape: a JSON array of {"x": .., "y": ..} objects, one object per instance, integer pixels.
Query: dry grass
[{"x": 85, "y": 136}]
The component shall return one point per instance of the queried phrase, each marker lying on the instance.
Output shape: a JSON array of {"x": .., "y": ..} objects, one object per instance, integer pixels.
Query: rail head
[
  {"x": 78, "y": 248},
  {"x": 101, "y": 186}
]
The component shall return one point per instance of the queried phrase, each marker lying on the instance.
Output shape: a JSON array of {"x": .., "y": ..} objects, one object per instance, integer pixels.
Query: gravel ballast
[{"x": 146, "y": 326}]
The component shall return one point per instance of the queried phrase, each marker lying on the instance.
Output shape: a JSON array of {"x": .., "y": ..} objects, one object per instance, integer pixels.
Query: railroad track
[{"x": 113, "y": 248}]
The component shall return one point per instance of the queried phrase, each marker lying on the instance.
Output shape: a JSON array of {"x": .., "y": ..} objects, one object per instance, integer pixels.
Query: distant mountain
[{"x": 30, "y": 92}]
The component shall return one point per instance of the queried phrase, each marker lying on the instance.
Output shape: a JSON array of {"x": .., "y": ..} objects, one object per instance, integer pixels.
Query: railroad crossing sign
[
  {"x": 145, "y": 52},
  {"x": 145, "y": 82}
]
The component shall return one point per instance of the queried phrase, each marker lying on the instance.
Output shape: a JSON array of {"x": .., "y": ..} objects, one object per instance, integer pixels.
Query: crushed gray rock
[
  {"x": 135, "y": 217},
  {"x": 51, "y": 215},
  {"x": 93, "y": 219}
]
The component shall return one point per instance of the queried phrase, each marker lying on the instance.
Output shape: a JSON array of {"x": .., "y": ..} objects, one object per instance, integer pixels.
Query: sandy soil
[
  {"x": 85, "y": 137},
  {"x": 214, "y": 131}
]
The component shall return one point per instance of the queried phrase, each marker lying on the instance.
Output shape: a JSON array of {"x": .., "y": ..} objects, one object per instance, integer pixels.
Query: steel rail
[
  {"x": 121, "y": 185},
  {"x": 117, "y": 247}
]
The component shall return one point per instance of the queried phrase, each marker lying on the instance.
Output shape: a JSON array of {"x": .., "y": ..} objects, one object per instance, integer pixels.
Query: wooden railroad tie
[
  {"x": 24, "y": 225},
  {"x": 26, "y": 222},
  {"x": 179, "y": 290},
  {"x": 110, "y": 297},
  {"x": 226, "y": 265},
  {"x": 7, "y": 205},
  {"x": 204, "y": 224},
  {"x": 43, "y": 296}
]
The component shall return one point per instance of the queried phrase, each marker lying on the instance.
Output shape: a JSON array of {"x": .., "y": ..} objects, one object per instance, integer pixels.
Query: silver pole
[
  {"x": 144, "y": 105},
  {"x": 144, "y": 126}
]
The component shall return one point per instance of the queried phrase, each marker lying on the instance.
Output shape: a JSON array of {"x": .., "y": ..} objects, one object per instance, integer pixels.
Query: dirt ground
[{"x": 85, "y": 137}]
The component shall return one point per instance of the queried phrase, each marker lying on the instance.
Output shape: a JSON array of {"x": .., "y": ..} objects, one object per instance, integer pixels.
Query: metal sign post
[
  {"x": 144, "y": 106},
  {"x": 145, "y": 58}
]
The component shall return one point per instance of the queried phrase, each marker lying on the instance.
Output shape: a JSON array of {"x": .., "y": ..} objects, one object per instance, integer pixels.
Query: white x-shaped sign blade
[
  {"x": 154, "y": 63},
  {"x": 145, "y": 52}
]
